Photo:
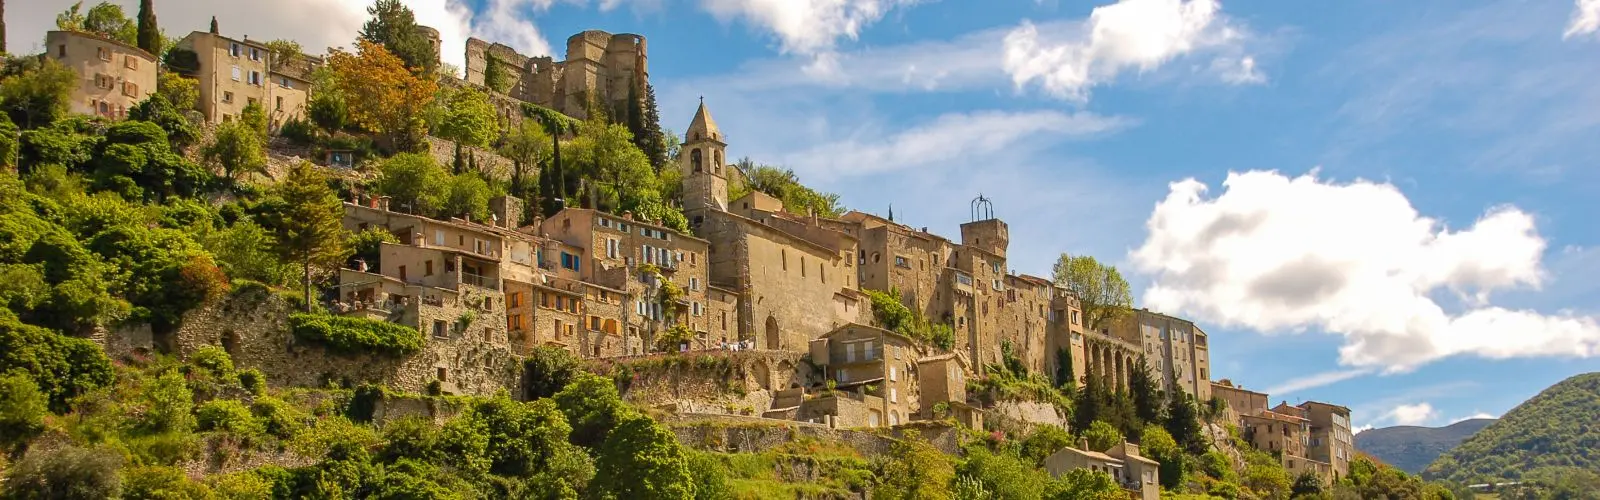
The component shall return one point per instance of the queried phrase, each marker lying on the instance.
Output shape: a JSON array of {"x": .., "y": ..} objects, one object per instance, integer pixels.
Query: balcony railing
[{"x": 480, "y": 281}]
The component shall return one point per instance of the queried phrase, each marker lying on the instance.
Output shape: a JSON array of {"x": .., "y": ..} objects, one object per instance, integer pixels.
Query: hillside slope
[
  {"x": 1412, "y": 448},
  {"x": 1555, "y": 428}
]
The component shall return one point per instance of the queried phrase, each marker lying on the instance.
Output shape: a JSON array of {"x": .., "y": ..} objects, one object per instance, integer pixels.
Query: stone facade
[
  {"x": 1175, "y": 349},
  {"x": 234, "y": 73},
  {"x": 870, "y": 366},
  {"x": 1331, "y": 439},
  {"x": 1137, "y": 474},
  {"x": 608, "y": 69},
  {"x": 112, "y": 76},
  {"x": 252, "y": 325}
]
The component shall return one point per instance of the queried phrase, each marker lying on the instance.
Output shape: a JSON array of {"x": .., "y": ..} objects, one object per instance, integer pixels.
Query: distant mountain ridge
[
  {"x": 1555, "y": 428},
  {"x": 1411, "y": 448}
]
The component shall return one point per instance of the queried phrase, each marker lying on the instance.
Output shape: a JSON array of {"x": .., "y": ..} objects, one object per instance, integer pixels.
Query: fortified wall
[{"x": 598, "y": 65}]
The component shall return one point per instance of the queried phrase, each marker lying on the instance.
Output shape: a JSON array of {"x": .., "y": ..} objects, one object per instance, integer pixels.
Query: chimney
[
  {"x": 627, "y": 215},
  {"x": 1083, "y": 443},
  {"x": 383, "y": 203}
]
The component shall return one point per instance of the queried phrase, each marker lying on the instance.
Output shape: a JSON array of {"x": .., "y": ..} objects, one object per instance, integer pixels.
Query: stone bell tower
[{"x": 705, "y": 185}]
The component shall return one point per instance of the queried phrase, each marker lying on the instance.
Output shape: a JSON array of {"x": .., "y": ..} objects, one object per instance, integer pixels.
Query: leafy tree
[
  {"x": 593, "y": 407},
  {"x": 1044, "y": 441},
  {"x": 38, "y": 96},
  {"x": 649, "y": 456},
  {"x": 311, "y": 231},
  {"x": 10, "y": 136},
  {"x": 182, "y": 92},
  {"x": 159, "y": 110},
  {"x": 783, "y": 184},
  {"x": 1157, "y": 444},
  {"x": 1307, "y": 483},
  {"x": 62, "y": 367},
  {"x": 244, "y": 251},
  {"x": 469, "y": 196},
  {"x": 1183, "y": 423},
  {"x": 255, "y": 118},
  {"x": 1064, "y": 372},
  {"x": 22, "y": 411},
  {"x": 1101, "y": 291},
  {"x": 1264, "y": 475},
  {"x": 497, "y": 75},
  {"x": 237, "y": 149},
  {"x": 526, "y": 146},
  {"x": 394, "y": 26},
  {"x": 604, "y": 153},
  {"x": 414, "y": 182},
  {"x": 65, "y": 473},
  {"x": 149, "y": 35},
  {"x": 161, "y": 483},
  {"x": 380, "y": 94},
  {"x": 469, "y": 119},
  {"x": 1102, "y": 436},
  {"x": 1003, "y": 475},
  {"x": 546, "y": 371},
  {"x": 283, "y": 51},
  {"x": 366, "y": 245},
  {"x": 168, "y": 405},
  {"x": 1147, "y": 400},
  {"x": 1084, "y": 484},
  {"x": 105, "y": 19},
  {"x": 915, "y": 471}
]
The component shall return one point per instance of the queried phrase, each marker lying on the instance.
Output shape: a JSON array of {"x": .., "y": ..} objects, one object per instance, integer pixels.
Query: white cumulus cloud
[
  {"x": 806, "y": 27},
  {"x": 1138, "y": 35},
  {"x": 1275, "y": 253},
  {"x": 1412, "y": 414},
  {"x": 1585, "y": 19}
]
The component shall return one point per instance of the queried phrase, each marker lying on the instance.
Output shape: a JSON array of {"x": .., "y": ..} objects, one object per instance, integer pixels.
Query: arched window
[
  {"x": 716, "y": 159},
  {"x": 694, "y": 159}
]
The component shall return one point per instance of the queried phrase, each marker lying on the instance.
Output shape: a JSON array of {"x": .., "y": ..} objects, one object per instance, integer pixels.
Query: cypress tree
[
  {"x": 149, "y": 34},
  {"x": 1183, "y": 423},
  {"x": 1147, "y": 401},
  {"x": 1063, "y": 362}
]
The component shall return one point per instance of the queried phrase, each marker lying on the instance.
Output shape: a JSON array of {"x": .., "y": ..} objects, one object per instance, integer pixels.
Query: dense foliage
[
  {"x": 1554, "y": 428},
  {"x": 783, "y": 184},
  {"x": 351, "y": 335}
]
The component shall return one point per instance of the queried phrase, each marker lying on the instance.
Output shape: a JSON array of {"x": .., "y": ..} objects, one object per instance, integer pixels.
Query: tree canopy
[{"x": 1100, "y": 289}]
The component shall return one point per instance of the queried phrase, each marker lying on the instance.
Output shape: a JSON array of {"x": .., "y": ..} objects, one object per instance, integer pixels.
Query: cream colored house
[
  {"x": 113, "y": 76},
  {"x": 873, "y": 362},
  {"x": 233, "y": 73}
]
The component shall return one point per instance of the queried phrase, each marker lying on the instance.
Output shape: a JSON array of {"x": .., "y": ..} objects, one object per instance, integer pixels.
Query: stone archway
[
  {"x": 1118, "y": 371},
  {"x": 763, "y": 375},
  {"x": 774, "y": 340},
  {"x": 230, "y": 343}
]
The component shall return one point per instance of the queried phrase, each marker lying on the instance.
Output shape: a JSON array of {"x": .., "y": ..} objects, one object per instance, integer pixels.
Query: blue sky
[{"x": 1408, "y": 230}]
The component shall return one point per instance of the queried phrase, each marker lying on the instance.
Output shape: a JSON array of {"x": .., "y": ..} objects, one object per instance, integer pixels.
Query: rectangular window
[
  {"x": 515, "y": 300},
  {"x": 901, "y": 262},
  {"x": 132, "y": 62},
  {"x": 236, "y": 73},
  {"x": 61, "y": 50},
  {"x": 894, "y": 395},
  {"x": 284, "y": 82},
  {"x": 402, "y": 273},
  {"x": 694, "y": 283},
  {"x": 249, "y": 101},
  {"x": 227, "y": 96},
  {"x": 233, "y": 49},
  {"x": 255, "y": 78},
  {"x": 439, "y": 329},
  {"x": 255, "y": 54},
  {"x": 427, "y": 268},
  {"x": 892, "y": 374},
  {"x": 849, "y": 353},
  {"x": 105, "y": 55},
  {"x": 279, "y": 105}
]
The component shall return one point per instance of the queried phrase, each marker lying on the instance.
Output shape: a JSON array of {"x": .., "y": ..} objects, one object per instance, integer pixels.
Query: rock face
[{"x": 1412, "y": 448}]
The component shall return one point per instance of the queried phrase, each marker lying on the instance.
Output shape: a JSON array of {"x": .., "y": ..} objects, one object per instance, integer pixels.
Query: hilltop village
[{"x": 722, "y": 302}]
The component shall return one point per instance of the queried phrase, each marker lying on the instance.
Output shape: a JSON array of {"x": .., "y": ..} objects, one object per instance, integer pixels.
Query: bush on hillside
[{"x": 356, "y": 335}]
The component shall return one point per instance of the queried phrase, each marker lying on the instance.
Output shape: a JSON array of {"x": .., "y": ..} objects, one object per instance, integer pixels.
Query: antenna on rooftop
[{"x": 982, "y": 208}]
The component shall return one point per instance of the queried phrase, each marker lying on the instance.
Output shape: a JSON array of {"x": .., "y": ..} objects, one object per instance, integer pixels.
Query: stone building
[
  {"x": 113, "y": 76},
  {"x": 861, "y": 360},
  {"x": 941, "y": 379},
  {"x": 787, "y": 272},
  {"x": 609, "y": 69},
  {"x": 1175, "y": 349},
  {"x": 1139, "y": 475},
  {"x": 1331, "y": 440},
  {"x": 1240, "y": 401},
  {"x": 233, "y": 73},
  {"x": 1067, "y": 335}
]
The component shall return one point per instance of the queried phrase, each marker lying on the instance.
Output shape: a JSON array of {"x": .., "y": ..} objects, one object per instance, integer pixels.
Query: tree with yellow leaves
[{"x": 381, "y": 95}]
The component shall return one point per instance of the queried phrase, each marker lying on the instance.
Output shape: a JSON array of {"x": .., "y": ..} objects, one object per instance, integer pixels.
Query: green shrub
[
  {"x": 63, "y": 367},
  {"x": 167, "y": 403},
  {"x": 246, "y": 485},
  {"x": 161, "y": 483},
  {"x": 69, "y": 472},
  {"x": 299, "y": 132},
  {"x": 214, "y": 361},
  {"x": 22, "y": 410},
  {"x": 252, "y": 380},
  {"x": 346, "y": 335},
  {"x": 227, "y": 415},
  {"x": 279, "y": 419}
]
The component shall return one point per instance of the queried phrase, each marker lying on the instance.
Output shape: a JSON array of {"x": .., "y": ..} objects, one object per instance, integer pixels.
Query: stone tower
[
  {"x": 432, "y": 35},
  {"x": 990, "y": 235},
  {"x": 705, "y": 186}
]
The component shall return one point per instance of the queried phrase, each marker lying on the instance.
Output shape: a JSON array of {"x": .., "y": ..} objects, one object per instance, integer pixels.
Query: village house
[
  {"x": 1331, "y": 439},
  {"x": 113, "y": 77},
  {"x": 1139, "y": 475},
  {"x": 871, "y": 375},
  {"x": 234, "y": 73}
]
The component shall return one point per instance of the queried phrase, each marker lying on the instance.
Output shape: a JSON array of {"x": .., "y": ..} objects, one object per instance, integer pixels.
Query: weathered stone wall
[
  {"x": 727, "y": 382},
  {"x": 490, "y": 162},
  {"x": 253, "y": 326},
  {"x": 1021, "y": 414}
]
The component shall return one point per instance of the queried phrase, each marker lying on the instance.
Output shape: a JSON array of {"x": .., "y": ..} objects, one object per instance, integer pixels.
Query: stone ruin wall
[{"x": 253, "y": 326}]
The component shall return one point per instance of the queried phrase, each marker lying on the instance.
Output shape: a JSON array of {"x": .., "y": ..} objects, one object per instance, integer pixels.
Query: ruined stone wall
[
  {"x": 1018, "y": 415},
  {"x": 1023, "y": 316},
  {"x": 733, "y": 382},
  {"x": 729, "y": 434},
  {"x": 253, "y": 326},
  {"x": 490, "y": 162}
]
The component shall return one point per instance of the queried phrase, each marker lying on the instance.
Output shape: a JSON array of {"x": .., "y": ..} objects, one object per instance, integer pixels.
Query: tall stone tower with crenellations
[{"x": 600, "y": 69}]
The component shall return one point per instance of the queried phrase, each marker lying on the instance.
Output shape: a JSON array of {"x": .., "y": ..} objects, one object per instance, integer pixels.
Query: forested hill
[
  {"x": 1558, "y": 427},
  {"x": 1412, "y": 448}
]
